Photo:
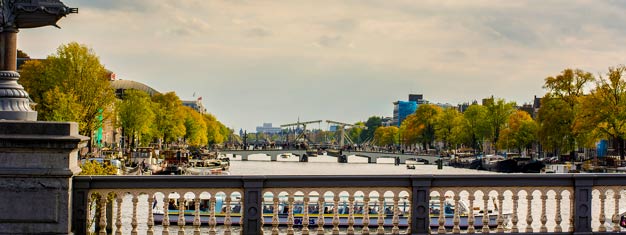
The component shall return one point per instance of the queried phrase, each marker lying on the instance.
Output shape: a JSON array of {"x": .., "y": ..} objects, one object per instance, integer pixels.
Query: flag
[
  {"x": 200, "y": 98},
  {"x": 194, "y": 94}
]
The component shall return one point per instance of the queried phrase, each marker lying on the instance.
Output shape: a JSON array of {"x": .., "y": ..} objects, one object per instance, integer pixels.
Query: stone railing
[{"x": 381, "y": 204}]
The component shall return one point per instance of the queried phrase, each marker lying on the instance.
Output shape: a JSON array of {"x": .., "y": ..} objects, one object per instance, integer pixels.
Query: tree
[
  {"x": 420, "y": 126},
  {"x": 386, "y": 136},
  {"x": 217, "y": 133},
  {"x": 559, "y": 107},
  {"x": 136, "y": 115},
  {"x": 80, "y": 78},
  {"x": 476, "y": 125},
  {"x": 355, "y": 132},
  {"x": 169, "y": 123},
  {"x": 519, "y": 133},
  {"x": 444, "y": 125},
  {"x": 498, "y": 112},
  {"x": 372, "y": 123},
  {"x": 603, "y": 112},
  {"x": 195, "y": 128}
]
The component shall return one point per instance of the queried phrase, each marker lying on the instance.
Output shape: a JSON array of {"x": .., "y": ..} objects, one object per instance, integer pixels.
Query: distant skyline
[{"x": 255, "y": 61}]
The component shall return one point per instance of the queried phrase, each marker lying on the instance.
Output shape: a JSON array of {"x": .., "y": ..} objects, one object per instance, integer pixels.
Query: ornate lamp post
[{"x": 15, "y": 15}]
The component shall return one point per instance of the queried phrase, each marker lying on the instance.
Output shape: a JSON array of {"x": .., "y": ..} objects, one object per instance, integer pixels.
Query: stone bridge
[{"x": 301, "y": 156}]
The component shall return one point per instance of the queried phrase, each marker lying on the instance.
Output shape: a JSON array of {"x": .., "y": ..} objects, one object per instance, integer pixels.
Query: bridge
[{"x": 301, "y": 156}]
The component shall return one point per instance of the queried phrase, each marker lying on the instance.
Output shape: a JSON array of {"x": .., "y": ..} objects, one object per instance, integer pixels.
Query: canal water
[{"x": 298, "y": 168}]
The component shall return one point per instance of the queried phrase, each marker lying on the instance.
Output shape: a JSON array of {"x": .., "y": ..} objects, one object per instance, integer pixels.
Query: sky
[{"x": 255, "y": 61}]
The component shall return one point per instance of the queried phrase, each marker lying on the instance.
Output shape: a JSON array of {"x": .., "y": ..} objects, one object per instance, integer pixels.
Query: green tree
[
  {"x": 498, "y": 112},
  {"x": 217, "y": 133},
  {"x": 96, "y": 168},
  {"x": 136, "y": 115},
  {"x": 603, "y": 112},
  {"x": 372, "y": 123},
  {"x": 169, "y": 123},
  {"x": 559, "y": 107},
  {"x": 75, "y": 70},
  {"x": 355, "y": 133},
  {"x": 444, "y": 125},
  {"x": 476, "y": 125}
]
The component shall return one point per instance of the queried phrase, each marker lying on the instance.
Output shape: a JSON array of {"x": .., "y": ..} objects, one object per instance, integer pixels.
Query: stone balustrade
[{"x": 381, "y": 204}]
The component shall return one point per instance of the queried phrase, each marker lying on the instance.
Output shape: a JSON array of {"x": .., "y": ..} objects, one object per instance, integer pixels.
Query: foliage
[
  {"x": 136, "y": 115},
  {"x": 169, "y": 123},
  {"x": 420, "y": 126},
  {"x": 603, "y": 112},
  {"x": 520, "y": 131},
  {"x": 372, "y": 123},
  {"x": 386, "y": 136},
  {"x": 96, "y": 168},
  {"x": 75, "y": 78},
  {"x": 444, "y": 125},
  {"x": 476, "y": 125},
  {"x": 196, "y": 128},
  {"x": 559, "y": 107},
  {"x": 498, "y": 112},
  {"x": 355, "y": 133}
]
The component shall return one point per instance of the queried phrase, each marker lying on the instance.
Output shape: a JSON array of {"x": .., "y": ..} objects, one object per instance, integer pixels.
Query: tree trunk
[{"x": 620, "y": 147}]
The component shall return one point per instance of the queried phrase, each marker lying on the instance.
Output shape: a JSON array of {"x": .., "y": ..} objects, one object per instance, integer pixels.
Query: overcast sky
[{"x": 255, "y": 61}]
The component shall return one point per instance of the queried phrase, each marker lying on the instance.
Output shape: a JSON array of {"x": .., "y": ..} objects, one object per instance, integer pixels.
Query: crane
[
  {"x": 298, "y": 124},
  {"x": 342, "y": 132}
]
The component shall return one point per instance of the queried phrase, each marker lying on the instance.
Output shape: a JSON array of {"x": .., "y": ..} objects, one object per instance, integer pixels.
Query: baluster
[
  {"x": 381, "y": 214},
  {"x": 396, "y": 215},
  {"x": 351, "y": 214},
  {"x": 336, "y": 214},
  {"x": 500, "y": 220},
  {"x": 275, "y": 217},
  {"x": 485, "y": 228},
  {"x": 89, "y": 212},
  {"x": 166, "y": 215},
  {"x": 456, "y": 220},
  {"x": 544, "y": 218},
  {"x": 150, "y": 222},
  {"x": 366, "y": 214},
  {"x": 290, "y": 209},
  {"x": 305, "y": 216},
  {"x": 103, "y": 214},
  {"x": 320, "y": 215},
  {"x": 442, "y": 217},
  {"x": 616, "y": 196},
  {"x": 408, "y": 215},
  {"x": 602, "y": 228},
  {"x": 515, "y": 219},
  {"x": 181, "y": 214},
  {"x": 557, "y": 217},
  {"x": 196, "y": 216},
  {"x": 571, "y": 212},
  {"x": 212, "y": 219},
  {"x": 529, "y": 215},
  {"x": 470, "y": 219},
  {"x": 133, "y": 223},
  {"x": 227, "y": 219},
  {"x": 118, "y": 219}
]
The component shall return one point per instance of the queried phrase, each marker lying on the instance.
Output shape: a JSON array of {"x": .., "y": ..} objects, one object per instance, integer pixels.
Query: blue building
[{"x": 402, "y": 109}]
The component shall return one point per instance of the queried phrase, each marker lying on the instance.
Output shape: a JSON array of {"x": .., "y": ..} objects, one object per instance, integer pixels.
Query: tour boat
[{"x": 328, "y": 215}]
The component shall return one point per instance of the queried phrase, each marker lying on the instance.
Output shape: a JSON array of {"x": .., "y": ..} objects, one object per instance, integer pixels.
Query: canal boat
[{"x": 328, "y": 214}]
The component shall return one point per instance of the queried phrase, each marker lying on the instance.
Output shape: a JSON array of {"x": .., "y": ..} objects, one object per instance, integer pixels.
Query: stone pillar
[
  {"x": 8, "y": 49},
  {"x": 420, "y": 213},
  {"x": 37, "y": 162},
  {"x": 253, "y": 205}
]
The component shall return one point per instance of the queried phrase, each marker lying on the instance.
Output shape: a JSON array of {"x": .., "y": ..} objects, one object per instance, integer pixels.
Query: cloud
[{"x": 257, "y": 32}]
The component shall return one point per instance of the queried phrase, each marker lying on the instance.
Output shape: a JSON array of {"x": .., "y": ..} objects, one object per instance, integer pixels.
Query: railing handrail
[{"x": 419, "y": 186}]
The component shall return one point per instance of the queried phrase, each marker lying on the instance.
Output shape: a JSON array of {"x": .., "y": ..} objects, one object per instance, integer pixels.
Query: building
[
  {"x": 402, "y": 109},
  {"x": 195, "y": 105},
  {"x": 268, "y": 129}
]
